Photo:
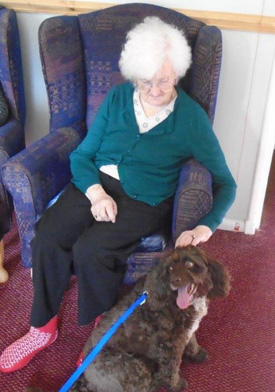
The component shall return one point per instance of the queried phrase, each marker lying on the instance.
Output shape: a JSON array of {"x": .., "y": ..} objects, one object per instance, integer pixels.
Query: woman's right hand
[{"x": 104, "y": 208}]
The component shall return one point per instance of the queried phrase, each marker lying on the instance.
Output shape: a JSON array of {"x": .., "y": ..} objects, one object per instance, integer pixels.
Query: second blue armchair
[{"x": 12, "y": 114}]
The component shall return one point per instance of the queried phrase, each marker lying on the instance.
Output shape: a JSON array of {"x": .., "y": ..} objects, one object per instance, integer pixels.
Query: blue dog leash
[{"x": 69, "y": 383}]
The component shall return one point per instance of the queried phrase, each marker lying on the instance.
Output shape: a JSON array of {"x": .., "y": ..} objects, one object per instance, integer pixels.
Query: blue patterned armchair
[
  {"x": 80, "y": 63},
  {"x": 12, "y": 113}
]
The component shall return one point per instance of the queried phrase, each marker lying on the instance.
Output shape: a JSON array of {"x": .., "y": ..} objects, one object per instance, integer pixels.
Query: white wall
[
  {"x": 37, "y": 111},
  {"x": 243, "y": 7},
  {"x": 245, "y": 77}
]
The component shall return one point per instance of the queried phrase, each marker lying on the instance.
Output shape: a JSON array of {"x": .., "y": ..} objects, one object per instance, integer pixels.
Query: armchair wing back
[
  {"x": 80, "y": 63},
  {"x": 80, "y": 58}
]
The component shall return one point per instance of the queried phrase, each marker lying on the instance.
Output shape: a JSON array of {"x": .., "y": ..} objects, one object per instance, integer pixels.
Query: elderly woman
[{"x": 123, "y": 185}]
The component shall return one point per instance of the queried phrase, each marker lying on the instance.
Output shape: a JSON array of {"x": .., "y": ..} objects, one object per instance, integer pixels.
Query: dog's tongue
[{"x": 183, "y": 299}]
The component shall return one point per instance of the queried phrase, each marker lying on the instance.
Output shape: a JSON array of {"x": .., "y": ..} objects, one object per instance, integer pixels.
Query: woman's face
[{"x": 159, "y": 91}]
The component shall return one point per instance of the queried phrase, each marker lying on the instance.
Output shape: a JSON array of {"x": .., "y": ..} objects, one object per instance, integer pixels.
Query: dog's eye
[{"x": 189, "y": 264}]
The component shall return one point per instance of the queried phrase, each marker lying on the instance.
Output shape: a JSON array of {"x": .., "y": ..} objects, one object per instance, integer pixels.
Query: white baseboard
[
  {"x": 247, "y": 227},
  {"x": 232, "y": 225},
  {"x": 250, "y": 227}
]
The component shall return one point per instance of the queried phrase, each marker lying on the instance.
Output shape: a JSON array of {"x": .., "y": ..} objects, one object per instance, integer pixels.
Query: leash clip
[{"x": 145, "y": 293}]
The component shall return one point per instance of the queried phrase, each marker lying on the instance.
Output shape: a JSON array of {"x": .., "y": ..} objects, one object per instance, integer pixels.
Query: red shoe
[
  {"x": 98, "y": 319},
  {"x": 80, "y": 359},
  {"x": 81, "y": 355},
  {"x": 19, "y": 354}
]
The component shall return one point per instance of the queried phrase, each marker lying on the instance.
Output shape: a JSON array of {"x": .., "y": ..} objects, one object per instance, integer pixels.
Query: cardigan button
[{"x": 134, "y": 196}]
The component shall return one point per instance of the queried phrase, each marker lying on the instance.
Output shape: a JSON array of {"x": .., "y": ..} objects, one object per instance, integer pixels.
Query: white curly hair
[{"x": 148, "y": 44}]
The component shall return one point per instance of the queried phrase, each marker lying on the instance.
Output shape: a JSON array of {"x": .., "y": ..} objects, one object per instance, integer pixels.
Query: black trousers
[{"x": 69, "y": 240}]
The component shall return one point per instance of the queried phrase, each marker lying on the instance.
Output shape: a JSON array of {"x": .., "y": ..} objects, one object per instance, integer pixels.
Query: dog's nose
[{"x": 175, "y": 280}]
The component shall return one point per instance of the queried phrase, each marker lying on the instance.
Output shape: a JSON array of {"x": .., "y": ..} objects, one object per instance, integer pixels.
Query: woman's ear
[{"x": 220, "y": 278}]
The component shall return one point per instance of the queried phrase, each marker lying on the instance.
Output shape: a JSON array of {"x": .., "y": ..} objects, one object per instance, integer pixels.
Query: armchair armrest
[
  {"x": 193, "y": 197},
  {"x": 42, "y": 168},
  {"x": 34, "y": 176},
  {"x": 11, "y": 140}
]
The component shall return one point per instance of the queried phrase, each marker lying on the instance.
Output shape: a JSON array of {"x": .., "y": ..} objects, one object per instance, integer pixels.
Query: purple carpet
[{"x": 238, "y": 332}]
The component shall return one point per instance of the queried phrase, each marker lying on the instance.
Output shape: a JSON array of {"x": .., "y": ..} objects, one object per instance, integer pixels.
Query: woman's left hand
[{"x": 199, "y": 234}]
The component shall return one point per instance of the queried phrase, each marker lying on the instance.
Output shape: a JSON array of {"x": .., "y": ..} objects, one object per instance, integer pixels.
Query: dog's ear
[{"x": 220, "y": 278}]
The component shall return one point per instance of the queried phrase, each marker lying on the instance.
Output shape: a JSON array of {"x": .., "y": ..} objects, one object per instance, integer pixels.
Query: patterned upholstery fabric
[
  {"x": 4, "y": 108},
  {"x": 12, "y": 105},
  {"x": 30, "y": 172},
  {"x": 193, "y": 200},
  {"x": 79, "y": 57},
  {"x": 102, "y": 51}
]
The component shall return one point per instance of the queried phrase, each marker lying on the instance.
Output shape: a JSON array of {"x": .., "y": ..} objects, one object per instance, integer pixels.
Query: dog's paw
[
  {"x": 199, "y": 357},
  {"x": 182, "y": 384},
  {"x": 160, "y": 383}
]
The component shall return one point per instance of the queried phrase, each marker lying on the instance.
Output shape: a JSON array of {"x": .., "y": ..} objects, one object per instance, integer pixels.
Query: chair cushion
[
  {"x": 139, "y": 264},
  {"x": 4, "y": 108},
  {"x": 54, "y": 200},
  {"x": 155, "y": 242}
]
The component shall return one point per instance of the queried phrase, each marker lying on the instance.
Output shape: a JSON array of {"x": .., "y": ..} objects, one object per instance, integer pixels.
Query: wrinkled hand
[
  {"x": 104, "y": 208},
  {"x": 199, "y": 234}
]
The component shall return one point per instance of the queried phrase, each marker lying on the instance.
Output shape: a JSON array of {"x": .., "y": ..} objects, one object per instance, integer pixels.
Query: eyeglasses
[{"x": 146, "y": 85}]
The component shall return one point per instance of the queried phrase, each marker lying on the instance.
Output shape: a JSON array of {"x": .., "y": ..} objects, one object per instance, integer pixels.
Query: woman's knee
[
  {"x": 48, "y": 243},
  {"x": 89, "y": 252},
  {"x": 83, "y": 250},
  {"x": 44, "y": 237}
]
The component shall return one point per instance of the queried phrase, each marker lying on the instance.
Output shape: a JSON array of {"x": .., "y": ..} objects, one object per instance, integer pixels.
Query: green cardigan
[{"x": 149, "y": 163}]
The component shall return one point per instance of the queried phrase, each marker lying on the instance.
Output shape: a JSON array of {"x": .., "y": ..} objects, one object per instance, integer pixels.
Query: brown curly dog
[{"x": 146, "y": 351}]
